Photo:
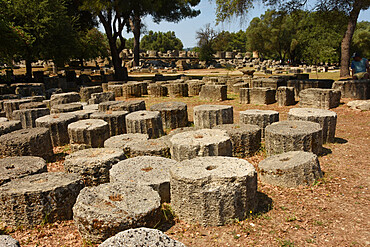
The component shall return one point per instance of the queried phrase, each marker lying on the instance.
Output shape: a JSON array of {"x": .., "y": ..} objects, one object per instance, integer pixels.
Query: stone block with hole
[
  {"x": 101, "y": 212},
  {"x": 326, "y": 118},
  {"x": 130, "y": 106},
  {"x": 20, "y": 166},
  {"x": 141, "y": 237},
  {"x": 208, "y": 116},
  {"x": 28, "y": 116},
  {"x": 89, "y": 133},
  {"x": 213, "y": 92},
  {"x": 116, "y": 121},
  {"x": 212, "y": 191},
  {"x": 285, "y": 96},
  {"x": 145, "y": 170},
  {"x": 245, "y": 138},
  {"x": 291, "y": 169},
  {"x": 93, "y": 164},
  {"x": 293, "y": 135},
  {"x": 174, "y": 114},
  {"x": 262, "y": 96},
  {"x": 145, "y": 122},
  {"x": 39, "y": 198},
  {"x": 58, "y": 127},
  {"x": 261, "y": 118},
  {"x": 199, "y": 143},
  {"x": 319, "y": 98},
  {"x": 27, "y": 142}
]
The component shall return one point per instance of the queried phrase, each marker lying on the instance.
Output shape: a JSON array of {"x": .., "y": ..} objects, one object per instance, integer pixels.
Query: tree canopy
[{"x": 160, "y": 41}]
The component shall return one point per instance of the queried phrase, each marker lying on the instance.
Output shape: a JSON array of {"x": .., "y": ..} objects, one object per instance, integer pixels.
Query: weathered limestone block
[
  {"x": 300, "y": 85},
  {"x": 86, "y": 92},
  {"x": 237, "y": 86},
  {"x": 141, "y": 237},
  {"x": 33, "y": 199},
  {"x": 97, "y": 98},
  {"x": 261, "y": 118},
  {"x": 143, "y": 85},
  {"x": 174, "y": 114},
  {"x": 145, "y": 170},
  {"x": 157, "y": 90},
  {"x": 194, "y": 87},
  {"x": 116, "y": 89},
  {"x": 32, "y": 105},
  {"x": 262, "y": 96},
  {"x": 285, "y": 136},
  {"x": 290, "y": 169},
  {"x": 90, "y": 133},
  {"x": 362, "y": 105},
  {"x": 285, "y": 96},
  {"x": 176, "y": 90},
  {"x": 327, "y": 120},
  {"x": 103, "y": 211},
  {"x": 121, "y": 141},
  {"x": 18, "y": 167},
  {"x": 8, "y": 241},
  {"x": 28, "y": 116},
  {"x": 64, "y": 108},
  {"x": 245, "y": 138},
  {"x": 319, "y": 98},
  {"x": 9, "y": 126},
  {"x": 213, "y": 190},
  {"x": 13, "y": 105},
  {"x": 208, "y": 116},
  {"x": 213, "y": 92},
  {"x": 27, "y": 142},
  {"x": 93, "y": 164},
  {"x": 151, "y": 147},
  {"x": 272, "y": 83},
  {"x": 64, "y": 98},
  {"x": 244, "y": 95},
  {"x": 132, "y": 90},
  {"x": 130, "y": 106},
  {"x": 199, "y": 143},
  {"x": 145, "y": 122},
  {"x": 116, "y": 121},
  {"x": 105, "y": 106},
  {"x": 354, "y": 89},
  {"x": 57, "y": 125}
]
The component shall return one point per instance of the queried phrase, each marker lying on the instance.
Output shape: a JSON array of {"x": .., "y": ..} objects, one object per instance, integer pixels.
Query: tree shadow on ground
[
  {"x": 340, "y": 140},
  {"x": 325, "y": 151}
]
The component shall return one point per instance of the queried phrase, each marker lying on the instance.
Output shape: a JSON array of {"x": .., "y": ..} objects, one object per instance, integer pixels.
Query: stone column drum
[
  {"x": 115, "y": 119},
  {"x": 28, "y": 116},
  {"x": 208, "y": 116},
  {"x": 213, "y": 190},
  {"x": 145, "y": 122},
  {"x": 174, "y": 114},
  {"x": 261, "y": 118}
]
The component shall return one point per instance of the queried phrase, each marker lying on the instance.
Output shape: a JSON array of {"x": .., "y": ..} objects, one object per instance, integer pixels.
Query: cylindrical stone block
[
  {"x": 245, "y": 138},
  {"x": 64, "y": 108},
  {"x": 157, "y": 91},
  {"x": 261, "y": 118},
  {"x": 86, "y": 92},
  {"x": 145, "y": 122},
  {"x": 174, "y": 114},
  {"x": 105, "y": 106},
  {"x": 64, "y": 98},
  {"x": 90, "y": 133},
  {"x": 12, "y": 105},
  {"x": 18, "y": 167},
  {"x": 326, "y": 118},
  {"x": 177, "y": 90},
  {"x": 213, "y": 92},
  {"x": 34, "y": 199},
  {"x": 131, "y": 91},
  {"x": 145, "y": 170},
  {"x": 9, "y": 126},
  {"x": 130, "y": 106},
  {"x": 194, "y": 87},
  {"x": 208, "y": 116},
  {"x": 121, "y": 141},
  {"x": 58, "y": 127},
  {"x": 285, "y": 136},
  {"x": 285, "y": 96},
  {"x": 213, "y": 190},
  {"x": 93, "y": 164},
  {"x": 290, "y": 169},
  {"x": 151, "y": 147},
  {"x": 244, "y": 95},
  {"x": 27, "y": 142},
  {"x": 105, "y": 210},
  {"x": 32, "y": 105},
  {"x": 199, "y": 143},
  {"x": 28, "y": 116},
  {"x": 115, "y": 119},
  {"x": 238, "y": 86}
]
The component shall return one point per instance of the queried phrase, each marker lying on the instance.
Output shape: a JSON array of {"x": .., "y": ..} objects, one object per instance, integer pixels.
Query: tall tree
[
  {"x": 228, "y": 8},
  {"x": 159, "y": 41},
  {"x": 361, "y": 39},
  {"x": 206, "y": 37}
]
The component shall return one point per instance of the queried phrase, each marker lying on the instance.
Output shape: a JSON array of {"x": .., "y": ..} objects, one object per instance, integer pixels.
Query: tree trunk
[
  {"x": 28, "y": 69},
  {"x": 120, "y": 71},
  {"x": 136, "y": 29},
  {"x": 347, "y": 39}
]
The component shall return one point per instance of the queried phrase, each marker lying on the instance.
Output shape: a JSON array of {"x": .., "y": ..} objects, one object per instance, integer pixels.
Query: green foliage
[
  {"x": 226, "y": 41},
  {"x": 206, "y": 37},
  {"x": 92, "y": 44},
  {"x": 361, "y": 39},
  {"x": 159, "y": 41}
]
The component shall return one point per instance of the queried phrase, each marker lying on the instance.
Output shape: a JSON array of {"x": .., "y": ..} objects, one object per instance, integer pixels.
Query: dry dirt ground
[{"x": 335, "y": 211}]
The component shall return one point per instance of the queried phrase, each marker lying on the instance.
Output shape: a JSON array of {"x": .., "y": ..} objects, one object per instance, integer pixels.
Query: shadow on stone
[{"x": 168, "y": 219}]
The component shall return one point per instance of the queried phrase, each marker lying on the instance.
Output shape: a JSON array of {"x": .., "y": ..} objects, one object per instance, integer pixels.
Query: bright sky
[{"x": 186, "y": 29}]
